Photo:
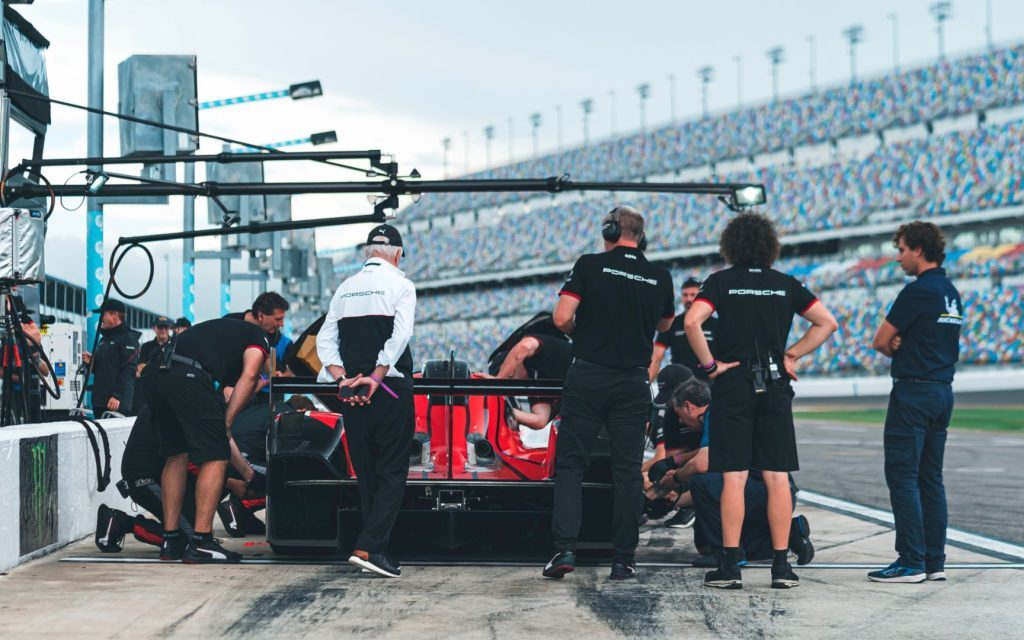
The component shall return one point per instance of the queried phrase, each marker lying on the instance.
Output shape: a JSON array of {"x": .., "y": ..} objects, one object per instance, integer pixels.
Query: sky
[{"x": 403, "y": 75}]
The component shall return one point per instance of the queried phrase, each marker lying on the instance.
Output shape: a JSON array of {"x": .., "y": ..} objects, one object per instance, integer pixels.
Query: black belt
[
  {"x": 604, "y": 366},
  {"x": 195, "y": 364},
  {"x": 921, "y": 381}
]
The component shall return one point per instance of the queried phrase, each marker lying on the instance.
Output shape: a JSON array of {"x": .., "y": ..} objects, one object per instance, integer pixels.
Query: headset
[{"x": 611, "y": 230}]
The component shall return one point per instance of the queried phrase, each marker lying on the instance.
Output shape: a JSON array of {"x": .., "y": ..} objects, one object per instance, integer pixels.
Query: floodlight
[
  {"x": 94, "y": 181},
  {"x": 324, "y": 137},
  {"x": 749, "y": 196},
  {"x": 302, "y": 90}
]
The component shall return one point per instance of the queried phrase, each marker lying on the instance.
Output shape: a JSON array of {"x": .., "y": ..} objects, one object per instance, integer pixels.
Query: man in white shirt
[{"x": 364, "y": 346}]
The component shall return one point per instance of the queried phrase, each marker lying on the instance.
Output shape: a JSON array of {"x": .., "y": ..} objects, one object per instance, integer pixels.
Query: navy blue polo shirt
[{"x": 928, "y": 314}]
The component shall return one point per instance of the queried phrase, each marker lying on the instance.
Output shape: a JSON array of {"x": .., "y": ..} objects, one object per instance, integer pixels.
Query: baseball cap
[
  {"x": 111, "y": 305},
  {"x": 668, "y": 379},
  {"x": 183, "y": 322},
  {"x": 384, "y": 234},
  {"x": 162, "y": 321}
]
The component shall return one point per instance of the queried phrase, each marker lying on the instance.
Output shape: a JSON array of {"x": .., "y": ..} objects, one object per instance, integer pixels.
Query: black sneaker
[
  {"x": 724, "y": 577},
  {"x": 715, "y": 557},
  {"x": 562, "y": 563},
  {"x": 209, "y": 552},
  {"x": 800, "y": 540},
  {"x": 623, "y": 569},
  {"x": 682, "y": 520},
  {"x": 173, "y": 549},
  {"x": 783, "y": 577},
  {"x": 378, "y": 563},
  {"x": 228, "y": 513},
  {"x": 110, "y": 530}
]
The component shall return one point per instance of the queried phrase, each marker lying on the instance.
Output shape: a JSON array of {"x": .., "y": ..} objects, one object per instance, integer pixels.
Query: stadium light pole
[
  {"x": 558, "y": 125},
  {"x": 298, "y": 91},
  {"x": 672, "y": 97},
  {"x": 988, "y": 24},
  {"x": 812, "y": 68},
  {"x": 535, "y": 120},
  {"x": 587, "y": 105},
  {"x": 776, "y": 56},
  {"x": 706, "y": 75},
  {"x": 508, "y": 121},
  {"x": 644, "y": 91},
  {"x": 739, "y": 80},
  {"x": 854, "y": 34},
  {"x": 611, "y": 101},
  {"x": 446, "y": 144},
  {"x": 941, "y": 11},
  {"x": 895, "y": 20},
  {"x": 488, "y": 136}
]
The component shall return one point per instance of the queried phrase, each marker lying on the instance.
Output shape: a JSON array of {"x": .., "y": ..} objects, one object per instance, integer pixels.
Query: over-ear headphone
[{"x": 611, "y": 230}]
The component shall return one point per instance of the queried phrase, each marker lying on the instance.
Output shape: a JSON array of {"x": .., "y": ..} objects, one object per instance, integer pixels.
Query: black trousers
[
  {"x": 755, "y": 538},
  {"x": 151, "y": 498},
  {"x": 619, "y": 400},
  {"x": 378, "y": 436}
]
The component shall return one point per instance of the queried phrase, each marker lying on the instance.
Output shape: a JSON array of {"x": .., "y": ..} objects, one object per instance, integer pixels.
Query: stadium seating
[
  {"x": 960, "y": 171},
  {"x": 944, "y": 89}
]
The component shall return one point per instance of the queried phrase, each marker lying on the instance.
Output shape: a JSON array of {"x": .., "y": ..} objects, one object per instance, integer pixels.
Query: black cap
[
  {"x": 384, "y": 234},
  {"x": 183, "y": 322},
  {"x": 162, "y": 321},
  {"x": 668, "y": 379},
  {"x": 111, "y": 305}
]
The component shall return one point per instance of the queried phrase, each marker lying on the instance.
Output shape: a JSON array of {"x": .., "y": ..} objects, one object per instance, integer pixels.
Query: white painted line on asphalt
[
  {"x": 978, "y": 470},
  {"x": 1008, "y": 442},
  {"x": 537, "y": 563},
  {"x": 956, "y": 535},
  {"x": 837, "y": 443}
]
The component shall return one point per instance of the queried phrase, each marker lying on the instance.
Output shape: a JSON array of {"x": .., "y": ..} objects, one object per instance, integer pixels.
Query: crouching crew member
[
  {"x": 363, "y": 344},
  {"x": 690, "y": 402},
  {"x": 537, "y": 357},
  {"x": 612, "y": 304},
  {"x": 921, "y": 334},
  {"x": 193, "y": 425},
  {"x": 752, "y": 400}
]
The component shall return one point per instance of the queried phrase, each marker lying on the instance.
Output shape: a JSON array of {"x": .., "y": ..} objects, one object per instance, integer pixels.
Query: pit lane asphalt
[{"x": 983, "y": 473}]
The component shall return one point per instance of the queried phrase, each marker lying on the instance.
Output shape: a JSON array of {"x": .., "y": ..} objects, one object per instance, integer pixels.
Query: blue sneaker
[{"x": 896, "y": 572}]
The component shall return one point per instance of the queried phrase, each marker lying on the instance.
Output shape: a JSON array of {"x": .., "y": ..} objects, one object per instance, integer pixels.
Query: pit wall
[
  {"x": 977, "y": 381},
  {"x": 48, "y": 488}
]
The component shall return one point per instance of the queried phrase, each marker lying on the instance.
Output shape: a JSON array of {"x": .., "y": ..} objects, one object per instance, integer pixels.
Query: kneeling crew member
[
  {"x": 921, "y": 334},
  {"x": 194, "y": 427},
  {"x": 364, "y": 344},
  {"x": 612, "y": 304},
  {"x": 752, "y": 400},
  {"x": 690, "y": 402}
]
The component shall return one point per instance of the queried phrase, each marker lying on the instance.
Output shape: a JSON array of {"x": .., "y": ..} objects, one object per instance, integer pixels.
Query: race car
[{"x": 474, "y": 485}]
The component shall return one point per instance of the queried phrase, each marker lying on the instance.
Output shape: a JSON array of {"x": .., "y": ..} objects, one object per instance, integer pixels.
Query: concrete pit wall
[{"x": 48, "y": 488}]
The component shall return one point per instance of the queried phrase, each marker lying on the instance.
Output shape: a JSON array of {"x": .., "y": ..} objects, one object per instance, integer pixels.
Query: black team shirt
[
  {"x": 219, "y": 345},
  {"x": 550, "y": 362},
  {"x": 753, "y": 304},
  {"x": 622, "y": 298},
  {"x": 675, "y": 341}
]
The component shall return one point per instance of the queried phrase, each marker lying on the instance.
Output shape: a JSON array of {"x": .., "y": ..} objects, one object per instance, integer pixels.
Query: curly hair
[
  {"x": 750, "y": 239},
  {"x": 924, "y": 236}
]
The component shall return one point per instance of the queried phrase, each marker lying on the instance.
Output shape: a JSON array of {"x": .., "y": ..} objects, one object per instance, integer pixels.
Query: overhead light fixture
[
  {"x": 94, "y": 181},
  {"x": 749, "y": 196},
  {"x": 304, "y": 90}
]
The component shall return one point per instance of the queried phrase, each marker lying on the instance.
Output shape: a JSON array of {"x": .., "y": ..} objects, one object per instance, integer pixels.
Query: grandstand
[{"x": 843, "y": 167}]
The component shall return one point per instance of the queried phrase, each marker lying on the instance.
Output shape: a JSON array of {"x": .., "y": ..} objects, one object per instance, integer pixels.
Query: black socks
[{"x": 781, "y": 557}]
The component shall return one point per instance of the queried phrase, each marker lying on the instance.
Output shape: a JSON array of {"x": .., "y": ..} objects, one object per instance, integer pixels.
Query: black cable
[
  {"x": 18, "y": 169},
  {"x": 170, "y": 127},
  {"x": 116, "y": 257}
]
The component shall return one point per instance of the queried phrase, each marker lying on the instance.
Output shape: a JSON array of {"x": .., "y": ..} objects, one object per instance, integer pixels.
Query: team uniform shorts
[{"x": 751, "y": 430}]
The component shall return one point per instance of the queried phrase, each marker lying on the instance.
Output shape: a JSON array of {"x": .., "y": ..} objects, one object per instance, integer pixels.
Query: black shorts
[
  {"x": 751, "y": 430},
  {"x": 188, "y": 413}
]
